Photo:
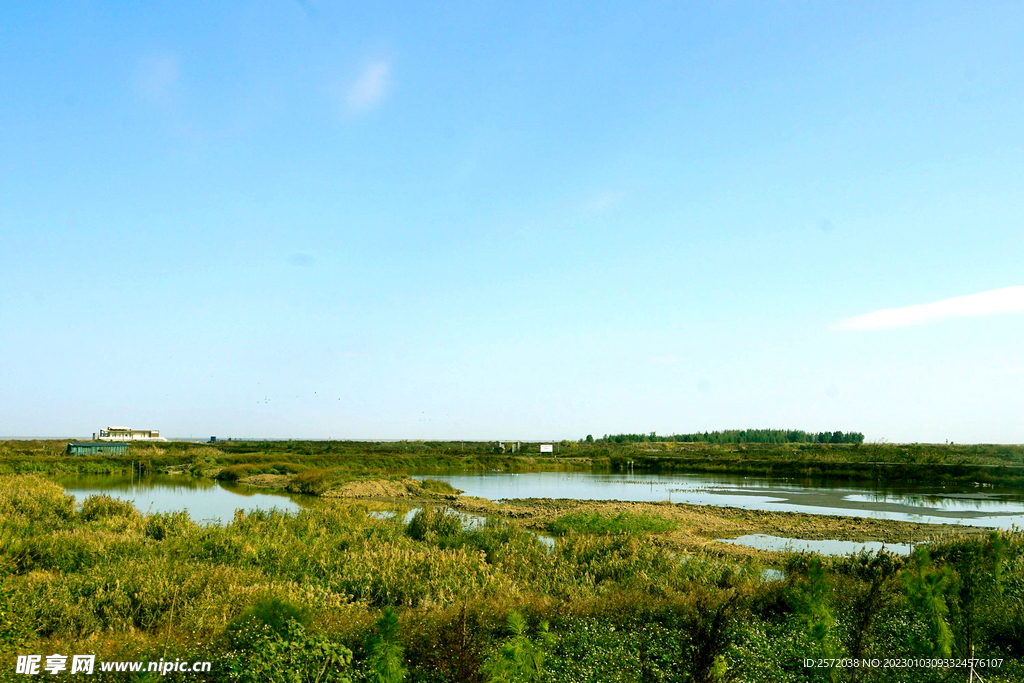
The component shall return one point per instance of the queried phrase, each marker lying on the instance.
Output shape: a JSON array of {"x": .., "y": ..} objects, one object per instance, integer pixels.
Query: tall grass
[
  {"x": 597, "y": 523},
  {"x": 269, "y": 594}
]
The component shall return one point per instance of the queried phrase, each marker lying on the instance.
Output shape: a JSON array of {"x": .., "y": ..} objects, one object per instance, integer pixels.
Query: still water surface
[
  {"x": 822, "y": 547},
  {"x": 209, "y": 501},
  {"x": 966, "y": 505},
  {"x": 206, "y": 501}
]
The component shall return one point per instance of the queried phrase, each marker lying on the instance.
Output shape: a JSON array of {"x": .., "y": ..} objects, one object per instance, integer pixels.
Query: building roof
[{"x": 101, "y": 444}]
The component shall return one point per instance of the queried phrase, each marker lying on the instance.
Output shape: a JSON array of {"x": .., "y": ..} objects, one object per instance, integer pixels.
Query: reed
[{"x": 308, "y": 593}]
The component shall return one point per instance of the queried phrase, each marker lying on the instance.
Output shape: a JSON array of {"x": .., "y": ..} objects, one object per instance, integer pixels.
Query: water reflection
[
  {"x": 988, "y": 507},
  {"x": 206, "y": 501},
  {"x": 953, "y": 502},
  {"x": 209, "y": 501},
  {"x": 826, "y": 547}
]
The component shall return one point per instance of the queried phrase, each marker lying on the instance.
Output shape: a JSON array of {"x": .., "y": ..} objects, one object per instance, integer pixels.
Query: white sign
[{"x": 547, "y": 448}]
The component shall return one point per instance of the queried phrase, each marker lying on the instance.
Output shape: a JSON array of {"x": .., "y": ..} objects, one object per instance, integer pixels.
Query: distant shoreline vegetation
[
  {"x": 320, "y": 464},
  {"x": 739, "y": 436}
]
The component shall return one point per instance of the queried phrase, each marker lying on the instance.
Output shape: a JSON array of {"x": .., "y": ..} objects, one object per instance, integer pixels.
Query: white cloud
[
  {"x": 1005, "y": 300},
  {"x": 370, "y": 88}
]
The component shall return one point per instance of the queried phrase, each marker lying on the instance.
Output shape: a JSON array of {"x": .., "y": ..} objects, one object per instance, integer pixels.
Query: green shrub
[
  {"x": 506, "y": 543},
  {"x": 521, "y": 658},
  {"x": 429, "y": 524},
  {"x": 15, "y": 624},
  {"x": 927, "y": 588},
  {"x": 268, "y": 618},
  {"x": 385, "y": 652},
  {"x": 103, "y": 506},
  {"x": 597, "y": 523},
  {"x": 438, "y": 486},
  {"x": 236, "y": 472},
  {"x": 296, "y": 656},
  {"x": 60, "y": 551},
  {"x": 34, "y": 499},
  {"x": 316, "y": 481},
  {"x": 161, "y": 525}
]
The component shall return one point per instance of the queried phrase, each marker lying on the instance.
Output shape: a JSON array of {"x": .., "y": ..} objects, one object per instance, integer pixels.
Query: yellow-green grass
[{"x": 102, "y": 578}]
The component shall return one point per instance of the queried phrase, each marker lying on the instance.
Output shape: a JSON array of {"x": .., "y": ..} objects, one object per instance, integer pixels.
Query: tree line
[{"x": 739, "y": 436}]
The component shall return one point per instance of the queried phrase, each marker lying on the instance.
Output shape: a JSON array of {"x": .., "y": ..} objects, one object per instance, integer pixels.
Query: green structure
[{"x": 97, "y": 448}]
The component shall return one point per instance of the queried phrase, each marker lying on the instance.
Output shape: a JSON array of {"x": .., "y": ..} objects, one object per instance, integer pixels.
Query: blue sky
[{"x": 490, "y": 220}]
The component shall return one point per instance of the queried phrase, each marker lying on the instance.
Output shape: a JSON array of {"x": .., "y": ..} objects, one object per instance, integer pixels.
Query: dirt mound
[
  {"x": 268, "y": 481},
  {"x": 377, "y": 488}
]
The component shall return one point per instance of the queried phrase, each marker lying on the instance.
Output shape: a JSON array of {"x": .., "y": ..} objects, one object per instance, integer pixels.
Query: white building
[{"x": 126, "y": 434}]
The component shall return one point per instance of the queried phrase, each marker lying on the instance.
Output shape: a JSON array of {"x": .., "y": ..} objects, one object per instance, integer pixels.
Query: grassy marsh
[{"x": 634, "y": 606}]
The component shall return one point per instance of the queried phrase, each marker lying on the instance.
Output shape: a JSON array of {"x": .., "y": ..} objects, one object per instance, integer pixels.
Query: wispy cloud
[
  {"x": 1005, "y": 300},
  {"x": 370, "y": 88},
  {"x": 600, "y": 203}
]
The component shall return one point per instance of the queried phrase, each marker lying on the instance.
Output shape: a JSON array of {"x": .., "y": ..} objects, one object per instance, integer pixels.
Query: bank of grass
[
  {"x": 609, "y": 525},
  {"x": 921, "y": 463},
  {"x": 272, "y": 596},
  {"x": 439, "y": 487},
  {"x": 237, "y": 472}
]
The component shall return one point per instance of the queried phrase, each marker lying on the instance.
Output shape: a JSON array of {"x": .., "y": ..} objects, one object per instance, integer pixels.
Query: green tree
[
  {"x": 978, "y": 586},
  {"x": 521, "y": 659},
  {"x": 385, "y": 651},
  {"x": 926, "y": 589},
  {"x": 812, "y": 600}
]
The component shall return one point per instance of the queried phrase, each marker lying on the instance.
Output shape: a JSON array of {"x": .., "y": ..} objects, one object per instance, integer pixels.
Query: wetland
[{"x": 609, "y": 575}]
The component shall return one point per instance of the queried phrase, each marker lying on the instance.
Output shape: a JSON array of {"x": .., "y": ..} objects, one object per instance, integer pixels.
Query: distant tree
[{"x": 739, "y": 436}]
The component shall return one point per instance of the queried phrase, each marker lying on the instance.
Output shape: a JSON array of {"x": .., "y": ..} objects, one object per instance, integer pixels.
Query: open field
[
  {"x": 919, "y": 463},
  {"x": 630, "y": 592}
]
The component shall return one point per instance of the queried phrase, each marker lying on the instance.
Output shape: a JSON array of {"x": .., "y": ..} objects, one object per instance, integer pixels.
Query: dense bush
[
  {"x": 431, "y": 524},
  {"x": 103, "y": 507},
  {"x": 294, "y": 656},
  {"x": 268, "y": 617}
]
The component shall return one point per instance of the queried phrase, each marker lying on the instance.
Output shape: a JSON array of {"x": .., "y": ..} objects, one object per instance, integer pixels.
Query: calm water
[
  {"x": 209, "y": 501},
  {"x": 826, "y": 547},
  {"x": 205, "y": 501},
  {"x": 967, "y": 505}
]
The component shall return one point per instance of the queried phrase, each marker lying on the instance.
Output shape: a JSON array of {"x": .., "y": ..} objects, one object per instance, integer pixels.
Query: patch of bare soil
[
  {"x": 377, "y": 488},
  {"x": 267, "y": 481}
]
